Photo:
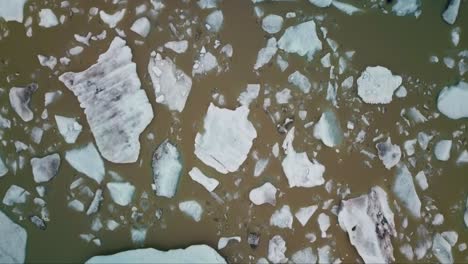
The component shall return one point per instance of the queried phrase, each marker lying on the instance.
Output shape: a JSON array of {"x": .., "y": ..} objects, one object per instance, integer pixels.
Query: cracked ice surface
[{"x": 116, "y": 107}]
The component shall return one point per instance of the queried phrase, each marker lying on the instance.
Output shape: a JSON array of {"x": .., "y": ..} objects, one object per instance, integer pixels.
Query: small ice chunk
[
  {"x": 207, "y": 4},
  {"x": 324, "y": 223},
  {"x": 408, "y": 145},
  {"x": 297, "y": 167},
  {"x": 369, "y": 223},
  {"x": 407, "y": 251},
  {"x": 305, "y": 255},
  {"x": 205, "y": 63},
  {"x": 45, "y": 61},
  {"x": 227, "y": 138},
  {"x": 167, "y": 169},
  {"x": 452, "y": 101},
  {"x": 171, "y": 85},
  {"x": 12, "y": 10},
  {"x": 305, "y": 213},
  {"x": 263, "y": 194},
  {"x": 51, "y": 97},
  {"x": 423, "y": 140},
  {"x": 177, "y": 46},
  {"x": 282, "y": 218},
  {"x": 215, "y": 20},
  {"x": 455, "y": 36},
  {"x": 192, "y": 209},
  {"x": 272, "y": 23},
  {"x": 223, "y": 241},
  {"x": 20, "y": 100},
  {"x": 15, "y": 195},
  {"x": 442, "y": 249},
  {"x": 346, "y": 8},
  {"x": 300, "y": 81},
  {"x": 276, "y": 250},
  {"x": 321, "y": 3},
  {"x": 407, "y": 7},
  {"x": 265, "y": 54},
  {"x": 401, "y": 92},
  {"x": 68, "y": 128},
  {"x": 3, "y": 168},
  {"x": 94, "y": 206},
  {"x": 14, "y": 237},
  {"x": 404, "y": 190},
  {"x": 87, "y": 160},
  {"x": 328, "y": 129},
  {"x": 47, "y": 18},
  {"x": 44, "y": 169},
  {"x": 249, "y": 95},
  {"x": 450, "y": 14},
  {"x": 389, "y": 154},
  {"x": 421, "y": 180},
  {"x": 283, "y": 96},
  {"x": 112, "y": 19},
  {"x": 141, "y": 26},
  {"x": 442, "y": 150},
  {"x": 121, "y": 192},
  {"x": 76, "y": 205},
  {"x": 377, "y": 84},
  {"x": 451, "y": 237},
  {"x": 301, "y": 39},
  {"x": 210, "y": 184},
  {"x": 462, "y": 159},
  {"x": 260, "y": 166}
]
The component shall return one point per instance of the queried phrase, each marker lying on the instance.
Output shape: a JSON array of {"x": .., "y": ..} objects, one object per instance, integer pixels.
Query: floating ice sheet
[
  {"x": 167, "y": 169},
  {"x": 192, "y": 209},
  {"x": 12, "y": 10},
  {"x": 301, "y": 39},
  {"x": 272, "y": 23},
  {"x": 452, "y": 101},
  {"x": 389, "y": 154},
  {"x": 45, "y": 168},
  {"x": 404, "y": 190},
  {"x": 87, "y": 160},
  {"x": 377, "y": 84},
  {"x": 328, "y": 129},
  {"x": 68, "y": 128},
  {"x": 13, "y": 241},
  {"x": 197, "y": 175},
  {"x": 20, "y": 100},
  {"x": 121, "y": 192}
]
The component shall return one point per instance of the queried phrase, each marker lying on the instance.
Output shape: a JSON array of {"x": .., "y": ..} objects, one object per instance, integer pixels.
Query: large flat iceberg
[{"x": 116, "y": 107}]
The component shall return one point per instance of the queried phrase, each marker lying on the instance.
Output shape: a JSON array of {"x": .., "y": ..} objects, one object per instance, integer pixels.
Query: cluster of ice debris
[{"x": 114, "y": 100}]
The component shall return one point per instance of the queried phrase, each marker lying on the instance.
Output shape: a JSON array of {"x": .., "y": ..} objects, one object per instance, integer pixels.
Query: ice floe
[
  {"x": 199, "y": 254},
  {"x": 300, "y": 81},
  {"x": 452, "y": 101},
  {"x": 192, "y": 209},
  {"x": 45, "y": 168},
  {"x": 223, "y": 241},
  {"x": 205, "y": 63},
  {"x": 450, "y": 14},
  {"x": 12, "y": 10},
  {"x": 249, "y": 95},
  {"x": 272, "y": 23},
  {"x": 282, "y": 217},
  {"x": 121, "y": 192},
  {"x": 87, "y": 160},
  {"x": 328, "y": 129},
  {"x": 20, "y": 100},
  {"x": 389, "y": 154},
  {"x": 263, "y": 194},
  {"x": 346, "y": 8},
  {"x": 177, "y": 46},
  {"x": 49, "y": 61},
  {"x": 265, "y": 55},
  {"x": 407, "y": 7},
  {"x": 305, "y": 255},
  {"x": 377, "y": 84},
  {"x": 442, "y": 149},
  {"x": 297, "y": 167},
  {"x": 321, "y": 3},
  {"x": 197, "y": 175},
  {"x": 47, "y": 18},
  {"x": 167, "y": 169},
  {"x": 3, "y": 168},
  {"x": 141, "y": 26},
  {"x": 116, "y": 107},
  {"x": 404, "y": 190},
  {"x": 15, "y": 195},
  {"x": 171, "y": 85},
  {"x": 276, "y": 250},
  {"x": 227, "y": 138},
  {"x": 301, "y": 39},
  {"x": 369, "y": 223},
  {"x": 112, "y": 19},
  {"x": 442, "y": 249},
  {"x": 305, "y": 213},
  {"x": 13, "y": 241},
  {"x": 215, "y": 20},
  {"x": 69, "y": 128}
]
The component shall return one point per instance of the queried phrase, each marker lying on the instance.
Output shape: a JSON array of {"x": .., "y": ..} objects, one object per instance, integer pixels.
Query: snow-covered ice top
[
  {"x": 112, "y": 19},
  {"x": 171, "y": 85},
  {"x": 377, "y": 84},
  {"x": 301, "y": 39},
  {"x": 407, "y": 7},
  {"x": 282, "y": 217},
  {"x": 194, "y": 254},
  {"x": 13, "y": 241},
  {"x": 321, "y": 3},
  {"x": 227, "y": 138},
  {"x": 452, "y": 101},
  {"x": 116, "y": 107},
  {"x": 265, "y": 54},
  {"x": 12, "y": 10},
  {"x": 300, "y": 81},
  {"x": 276, "y": 250},
  {"x": 87, "y": 161}
]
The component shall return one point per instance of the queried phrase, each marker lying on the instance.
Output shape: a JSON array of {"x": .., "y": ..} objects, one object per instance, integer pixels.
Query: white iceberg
[
  {"x": 282, "y": 218},
  {"x": 297, "y": 167},
  {"x": 442, "y": 150},
  {"x": 112, "y": 19},
  {"x": 116, "y": 107},
  {"x": 272, "y": 23},
  {"x": 404, "y": 190},
  {"x": 227, "y": 138},
  {"x": 20, "y": 100},
  {"x": 13, "y": 241},
  {"x": 276, "y": 250},
  {"x": 452, "y": 101},
  {"x": 215, "y": 20},
  {"x": 87, "y": 160},
  {"x": 369, "y": 223},
  {"x": 300, "y": 81},
  {"x": 389, "y": 154},
  {"x": 197, "y": 175},
  {"x": 12, "y": 10},
  {"x": 44, "y": 169},
  {"x": 377, "y": 84},
  {"x": 141, "y": 26},
  {"x": 265, "y": 54},
  {"x": 167, "y": 169},
  {"x": 301, "y": 39},
  {"x": 200, "y": 254},
  {"x": 305, "y": 213},
  {"x": 192, "y": 209},
  {"x": 121, "y": 192},
  {"x": 450, "y": 14},
  {"x": 263, "y": 194},
  {"x": 47, "y": 18},
  {"x": 69, "y": 128},
  {"x": 328, "y": 129},
  {"x": 171, "y": 85}
]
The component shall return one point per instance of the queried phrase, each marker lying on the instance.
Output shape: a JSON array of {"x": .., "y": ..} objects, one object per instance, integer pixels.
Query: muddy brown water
[{"x": 402, "y": 44}]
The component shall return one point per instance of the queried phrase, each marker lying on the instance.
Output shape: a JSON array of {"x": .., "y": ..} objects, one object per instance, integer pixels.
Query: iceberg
[
  {"x": 265, "y": 55},
  {"x": 321, "y": 3},
  {"x": 272, "y": 24},
  {"x": 442, "y": 249},
  {"x": 177, "y": 46},
  {"x": 44, "y": 169},
  {"x": 68, "y": 128},
  {"x": 300, "y": 81},
  {"x": 167, "y": 169},
  {"x": 282, "y": 218},
  {"x": 404, "y": 190},
  {"x": 15, "y": 195},
  {"x": 452, "y": 101},
  {"x": 442, "y": 150},
  {"x": 263, "y": 194},
  {"x": 192, "y": 209},
  {"x": 276, "y": 250},
  {"x": 215, "y": 20},
  {"x": 20, "y": 100},
  {"x": 208, "y": 183},
  {"x": 3, "y": 168},
  {"x": 87, "y": 160},
  {"x": 407, "y": 7},
  {"x": 227, "y": 139},
  {"x": 377, "y": 84},
  {"x": 450, "y": 14},
  {"x": 389, "y": 154},
  {"x": 223, "y": 241},
  {"x": 121, "y": 192},
  {"x": 112, "y": 19},
  {"x": 116, "y": 107},
  {"x": 249, "y": 95},
  {"x": 369, "y": 223},
  {"x": 47, "y": 18},
  {"x": 324, "y": 223},
  {"x": 305, "y": 255},
  {"x": 141, "y": 26},
  {"x": 205, "y": 63},
  {"x": 328, "y": 129},
  {"x": 13, "y": 241},
  {"x": 171, "y": 85},
  {"x": 301, "y": 39},
  {"x": 199, "y": 254},
  {"x": 305, "y": 213},
  {"x": 12, "y": 10}
]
